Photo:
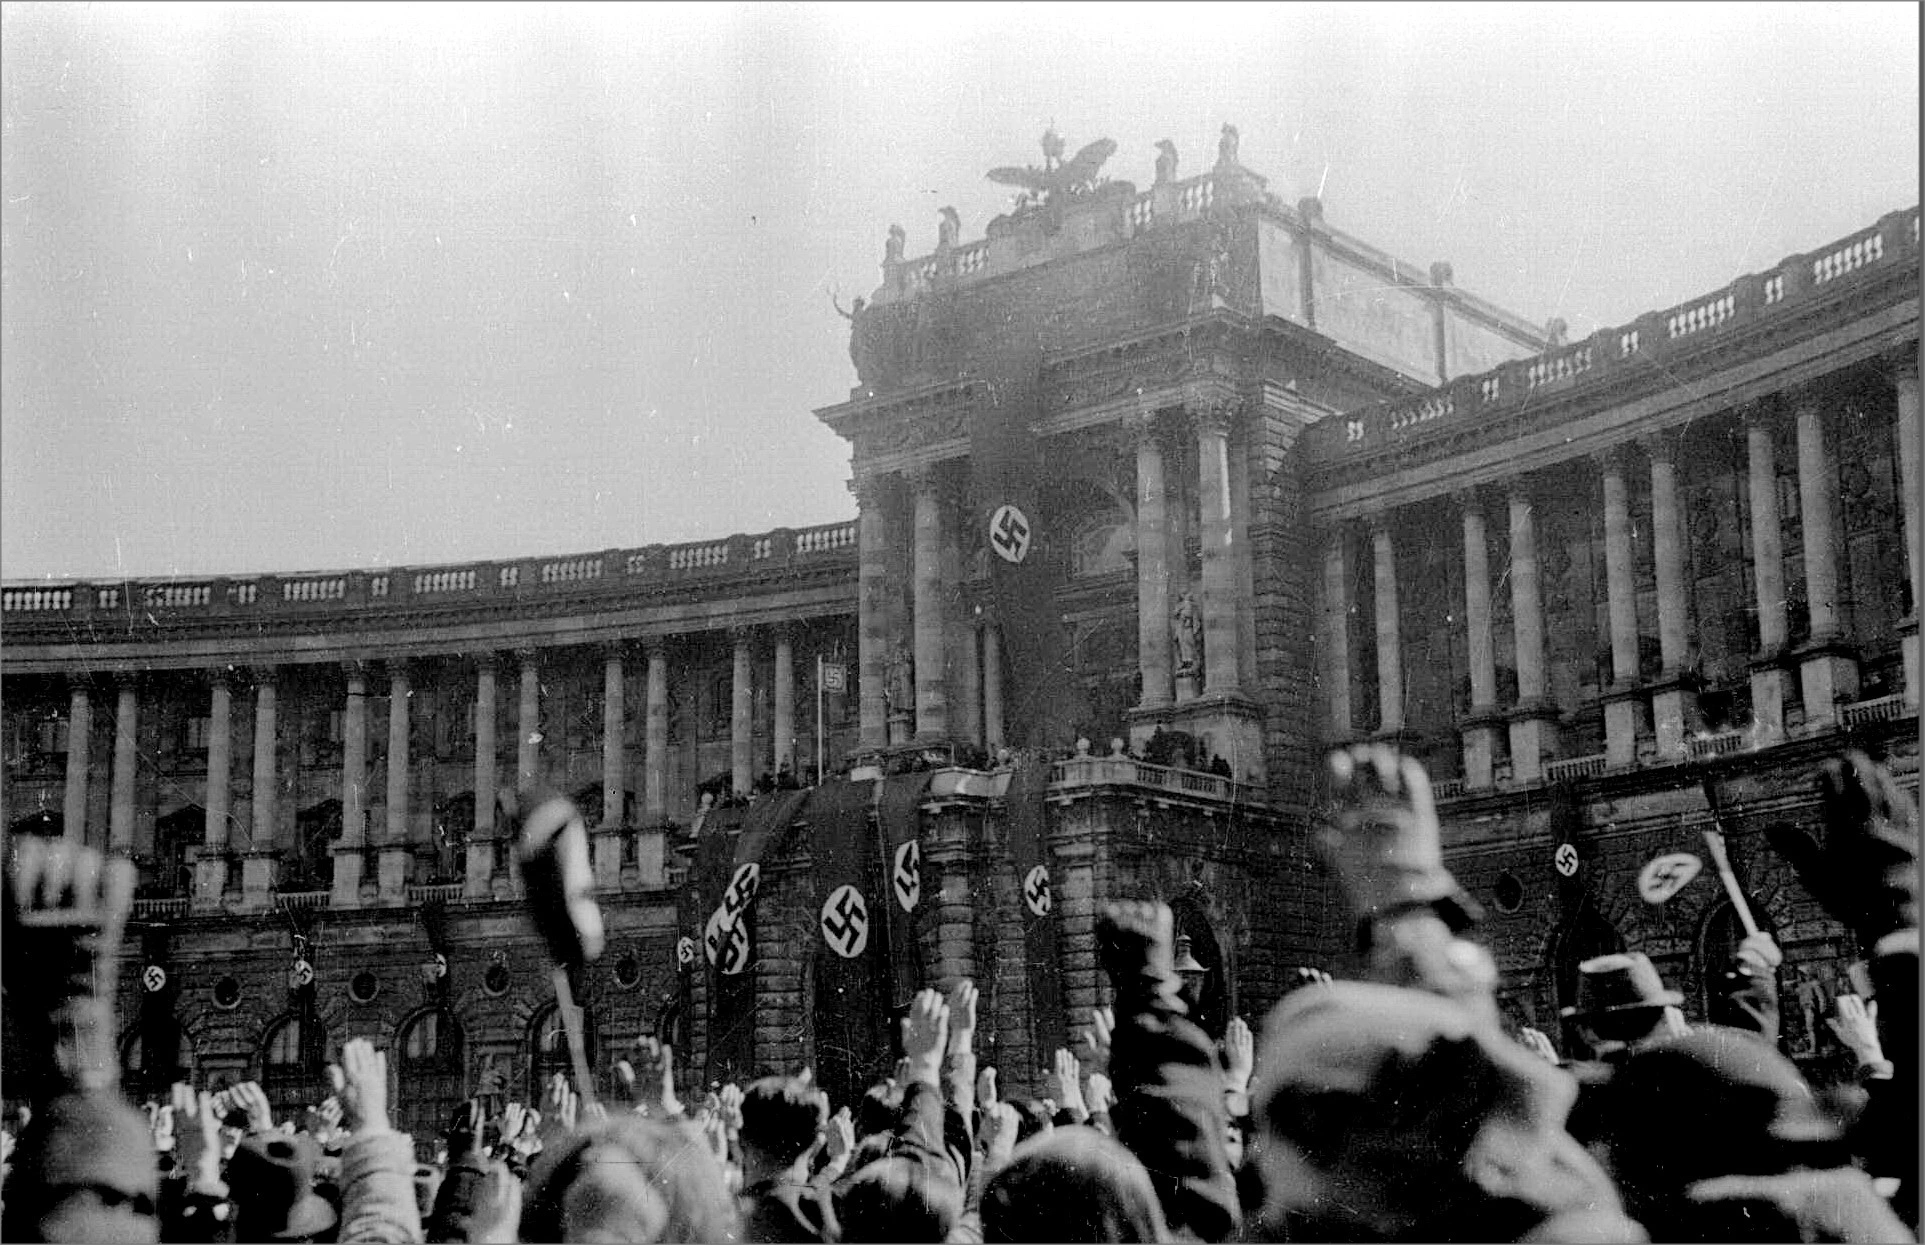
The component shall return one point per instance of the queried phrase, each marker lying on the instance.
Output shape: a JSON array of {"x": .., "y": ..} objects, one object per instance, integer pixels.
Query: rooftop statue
[{"x": 1058, "y": 176}]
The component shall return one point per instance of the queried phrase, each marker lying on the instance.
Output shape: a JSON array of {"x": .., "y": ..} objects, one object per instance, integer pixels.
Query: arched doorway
[
  {"x": 1213, "y": 1000},
  {"x": 294, "y": 1062},
  {"x": 548, "y": 1048},
  {"x": 1584, "y": 936}
]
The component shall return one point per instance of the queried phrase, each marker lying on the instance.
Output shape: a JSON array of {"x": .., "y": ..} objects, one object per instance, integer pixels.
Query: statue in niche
[
  {"x": 1226, "y": 146},
  {"x": 949, "y": 231},
  {"x": 898, "y": 688},
  {"x": 892, "y": 249},
  {"x": 1186, "y": 635},
  {"x": 1165, "y": 161}
]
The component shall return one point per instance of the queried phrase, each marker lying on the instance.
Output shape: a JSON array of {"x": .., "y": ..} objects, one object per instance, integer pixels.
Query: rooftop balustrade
[
  {"x": 441, "y": 585},
  {"x": 1605, "y": 357}
]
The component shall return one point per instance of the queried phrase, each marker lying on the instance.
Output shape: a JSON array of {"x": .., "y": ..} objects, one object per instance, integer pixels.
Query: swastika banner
[
  {"x": 899, "y": 825},
  {"x": 851, "y": 963},
  {"x": 1036, "y": 899}
]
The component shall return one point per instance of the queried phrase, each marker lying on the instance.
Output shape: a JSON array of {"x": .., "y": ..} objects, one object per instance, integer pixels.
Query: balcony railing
[
  {"x": 1651, "y": 340},
  {"x": 445, "y": 585},
  {"x": 1447, "y": 789},
  {"x": 159, "y": 909},
  {"x": 1724, "y": 743},
  {"x": 1572, "y": 768},
  {"x": 1866, "y": 712},
  {"x": 446, "y": 892},
  {"x": 301, "y": 901},
  {"x": 1127, "y": 771}
]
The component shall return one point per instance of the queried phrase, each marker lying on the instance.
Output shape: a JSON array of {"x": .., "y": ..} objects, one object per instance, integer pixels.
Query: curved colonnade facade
[{"x": 1289, "y": 491}]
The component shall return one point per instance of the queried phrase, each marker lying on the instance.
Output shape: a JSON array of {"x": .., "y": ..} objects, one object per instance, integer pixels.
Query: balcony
[
  {"x": 301, "y": 901},
  {"x": 1570, "y": 769},
  {"x": 1090, "y": 771},
  {"x": 1724, "y": 743},
  {"x": 444, "y": 892},
  {"x": 1869, "y": 712},
  {"x": 160, "y": 909}
]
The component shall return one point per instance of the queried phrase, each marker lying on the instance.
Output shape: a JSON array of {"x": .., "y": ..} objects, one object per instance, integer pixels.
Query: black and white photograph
[{"x": 832, "y": 622}]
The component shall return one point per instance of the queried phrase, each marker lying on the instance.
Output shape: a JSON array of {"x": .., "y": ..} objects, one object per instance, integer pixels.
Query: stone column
[
  {"x": 1905, "y": 380},
  {"x": 354, "y": 777},
  {"x": 1827, "y": 671},
  {"x": 395, "y": 851},
  {"x": 784, "y": 701},
  {"x": 528, "y": 721},
  {"x": 80, "y": 730},
  {"x": 210, "y": 871},
  {"x": 872, "y": 620},
  {"x": 1390, "y": 649},
  {"x": 257, "y": 870},
  {"x": 1480, "y": 728},
  {"x": 932, "y": 690},
  {"x": 1534, "y": 720},
  {"x": 992, "y": 687},
  {"x": 1219, "y": 602},
  {"x": 1621, "y": 698},
  {"x": 480, "y": 864},
  {"x": 120, "y": 815},
  {"x": 741, "y": 707},
  {"x": 655, "y": 741},
  {"x": 1768, "y": 571},
  {"x": 969, "y": 681},
  {"x": 614, "y": 745},
  {"x": 1672, "y": 701},
  {"x": 1336, "y": 633},
  {"x": 1152, "y": 565}
]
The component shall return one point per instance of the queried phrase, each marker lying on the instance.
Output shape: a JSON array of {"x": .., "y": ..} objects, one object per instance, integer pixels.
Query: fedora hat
[
  {"x": 272, "y": 1178},
  {"x": 1619, "y": 983}
]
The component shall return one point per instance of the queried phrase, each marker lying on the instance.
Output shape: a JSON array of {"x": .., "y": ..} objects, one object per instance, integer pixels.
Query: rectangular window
[{"x": 197, "y": 734}]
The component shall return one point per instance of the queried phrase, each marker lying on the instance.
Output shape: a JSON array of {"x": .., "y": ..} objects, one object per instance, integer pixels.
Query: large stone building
[{"x": 1294, "y": 491}]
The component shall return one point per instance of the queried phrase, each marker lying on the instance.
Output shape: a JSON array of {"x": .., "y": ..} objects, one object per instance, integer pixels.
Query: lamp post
[{"x": 1190, "y": 972}]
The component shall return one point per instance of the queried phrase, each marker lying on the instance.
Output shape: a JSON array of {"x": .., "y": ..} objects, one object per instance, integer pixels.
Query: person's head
[
  {"x": 479, "y": 1200},
  {"x": 632, "y": 1179},
  {"x": 781, "y": 1118},
  {"x": 271, "y": 1179},
  {"x": 1390, "y": 1112},
  {"x": 899, "y": 1197},
  {"x": 877, "y": 1111},
  {"x": 1074, "y": 1184},
  {"x": 1032, "y": 1119},
  {"x": 1713, "y": 1102}
]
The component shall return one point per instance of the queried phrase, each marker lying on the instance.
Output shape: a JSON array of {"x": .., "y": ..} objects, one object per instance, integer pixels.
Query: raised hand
[
  {"x": 650, "y": 1081},
  {"x": 1066, "y": 1078},
  {"x": 986, "y": 1088},
  {"x": 1098, "y": 1094},
  {"x": 65, "y": 906},
  {"x": 1538, "y": 1043},
  {"x": 1134, "y": 940},
  {"x": 962, "y": 1017},
  {"x": 249, "y": 1097},
  {"x": 1239, "y": 1056},
  {"x": 160, "y": 1123},
  {"x": 497, "y": 1213},
  {"x": 1759, "y": 952},
  {"x": 999, "y": 1134},
  {"x": 925, "y": 1032},
  {"x": 731, "y": 1108},
  {"x": 197, "y": 1133},
  {"x": 592, "y": 1115},
  {"x": 360, "y": 1081},
  {"x": 1855, "y": 1024},
  {"x": 1865, "y": 875},
  {"x": 562, "y": 1104},
  {"x": 1096, "y": 1039}
]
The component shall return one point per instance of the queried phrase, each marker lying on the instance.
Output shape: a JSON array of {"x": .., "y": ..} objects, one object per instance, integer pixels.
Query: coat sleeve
[
  {"x": 377, "y": 1190},
  {"x": 1169, "y": 1108}
]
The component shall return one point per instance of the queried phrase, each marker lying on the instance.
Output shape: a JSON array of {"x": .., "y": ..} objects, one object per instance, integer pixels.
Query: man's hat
[
  {"x": 272, "y": 1178},
  {"x": 1619, "y": 983}
]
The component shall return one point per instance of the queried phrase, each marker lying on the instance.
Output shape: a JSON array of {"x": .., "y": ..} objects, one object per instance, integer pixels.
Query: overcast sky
[{"x": 295, "y": 288}]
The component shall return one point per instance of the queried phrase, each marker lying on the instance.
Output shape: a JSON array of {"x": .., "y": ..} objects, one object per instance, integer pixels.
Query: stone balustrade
[
  {"x": 160, "y": 909},
  {"x": 1599, "y": 360},
  {"x": 445, "y": 892},
  {"x": 446, "y": 584},
  {"x": 1867, "y": 712},
  {"x": 301, "y": 901},
  {"x": 1723, "y": 743},
  {"x": 1570, "y": 769},
  {"x": 1086, "y": 771}
]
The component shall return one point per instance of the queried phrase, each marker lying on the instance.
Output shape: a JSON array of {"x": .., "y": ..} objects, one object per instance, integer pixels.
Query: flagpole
[{"x": 818, "y": 718}]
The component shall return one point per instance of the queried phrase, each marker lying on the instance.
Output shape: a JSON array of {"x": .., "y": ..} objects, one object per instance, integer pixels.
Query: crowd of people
[{"x": 1382, "y": 1103}]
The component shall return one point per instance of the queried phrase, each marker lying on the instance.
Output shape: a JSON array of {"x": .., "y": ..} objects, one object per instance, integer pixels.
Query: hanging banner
[
  {"x": 851, "y": 1005},
  {"x": 899, "y": 828},
  {"x": 1043, "y": 701},
  {"x": 1664, "y": 876},
  {"x": 1029, "y": 853}
]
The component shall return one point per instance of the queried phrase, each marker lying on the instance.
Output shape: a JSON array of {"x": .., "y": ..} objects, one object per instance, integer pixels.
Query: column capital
[
  {"x": 924, "y": 478},
  {"x": 1763, "y": 412},
  {"x": 1145, "y": 426},
  {"x": 220, "y": 676},
  {"x": 127, "y": 680},
  {"x": 653, "y": 647},
  {"x": 1214, "y": 415},
  {"x": 867, "y": 490},
  {"x": 1903, "y": 362},
  {"x": 82, "y": 680},
  {"x": 263, "y": 675},
  {"x": 485, "y": 658},
  {"x": 398, "y": 668},
  {"x": 1379, "y": 522},
  {"x": 356, "y": 670},
  {"x": 618, "y": 649},
  {"x": 1521, "y": 489},
  {"x": 1659, "y": 447},
  {"x": 1469, "y": 500},
  {"x": 741, "y": 635},
  {"x": 526, "y": 655},
  {"x": 1612, "y": 458}
]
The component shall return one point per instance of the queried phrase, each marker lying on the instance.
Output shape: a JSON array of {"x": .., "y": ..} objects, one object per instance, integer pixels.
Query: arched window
[
  {"x": 548, "y": 1047},
  {"x": 433, "y": 1074},
  {"x": 1586, "y": 936},
  {"x": 145, "y": 1078},
  {"x": 294, "y": 1063},
  {"x": 454, "y": 824},
  {"x": 1101, "y": 544},
  {"x": 1213, "y": 1000},
  {"x": 1718, "y": 940}
]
